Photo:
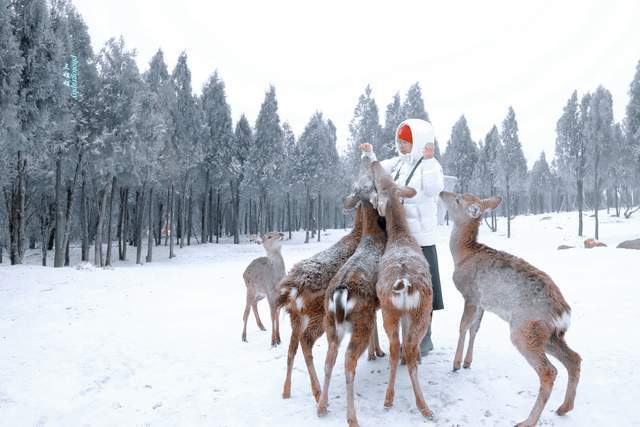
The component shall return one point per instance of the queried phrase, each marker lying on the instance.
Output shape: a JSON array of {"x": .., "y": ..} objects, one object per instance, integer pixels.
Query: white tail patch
[
  {"x": 401, "y": 285},
  {"x": 341, "y": 329},
  {"x": 350, "y": 304},
  {"x": 563, "y": 322},
  {"x": 299, "y": 303},
  {"x": 305, "y": 322},
  {"x": 403, "y": 301}
]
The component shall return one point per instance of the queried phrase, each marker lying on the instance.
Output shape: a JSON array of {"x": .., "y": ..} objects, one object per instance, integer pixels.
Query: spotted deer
[
  {"x": 517, "y": 292},
  {"x": 403, "y": 287},
  {"x": 261, "y": 278},
  {"x": 350, "y": 306}
]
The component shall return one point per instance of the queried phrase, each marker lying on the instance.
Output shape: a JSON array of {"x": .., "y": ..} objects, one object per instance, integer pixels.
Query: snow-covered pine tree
[
  {"x": 243, "y": 143},
  {"x": 392, "y": 119},
  {"x": 632, "y": 145},
  {"x": 364, "y": 127},
  {"x": 267, "y": 157},
  {"x": 219, "y": 151},
  {"x": 461, "y": 155},
  {"x": 540, "y": 185},
  {"x": 485, "y": 175},
  {"x": 114, "y": 151},
  {"x": 599, "y": 132},
  {"x": 413, "y": 105},
  {"x": 290, "y": 178},
  {"x": 513, "y": 165},
  {"x": 571, "y": 149},
  {"x": 185, "y": 140}
]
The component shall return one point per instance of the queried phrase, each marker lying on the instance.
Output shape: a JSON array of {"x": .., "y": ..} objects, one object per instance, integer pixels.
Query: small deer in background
[
  {"x": 404, "y": 286},
  {"x": 517, "y": 292},
  {"x": 351, "y": 304},
  {"x": 262, "y": 277}
]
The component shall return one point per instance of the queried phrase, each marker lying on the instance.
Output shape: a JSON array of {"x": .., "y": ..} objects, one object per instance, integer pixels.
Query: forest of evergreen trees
[{"x": 94, "y": 151}]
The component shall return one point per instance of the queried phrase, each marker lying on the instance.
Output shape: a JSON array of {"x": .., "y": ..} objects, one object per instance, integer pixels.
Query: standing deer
[
  {"x": 517, "y": 292},
  {"x": 262, "y": 277},
  {"x": 403, "y": 287},
  {"x": 302, "y": 291},
  {"x": 351, "y": 304}
]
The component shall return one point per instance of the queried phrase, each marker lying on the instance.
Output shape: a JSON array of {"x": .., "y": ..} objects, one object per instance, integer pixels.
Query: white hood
[{"x": 422, "y": 134}]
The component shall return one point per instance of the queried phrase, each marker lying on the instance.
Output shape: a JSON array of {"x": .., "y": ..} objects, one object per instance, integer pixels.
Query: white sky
[{"x": 472, "y": 58}]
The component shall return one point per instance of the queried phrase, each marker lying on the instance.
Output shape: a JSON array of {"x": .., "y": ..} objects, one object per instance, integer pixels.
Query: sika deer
[
  {"x": 351, "y": 304},
  {"x": 519, "y": 293},
  {"x": 261, "y": 278},
  {"x": 403, "y": 287},
  {"x": 302, "y": 291}
]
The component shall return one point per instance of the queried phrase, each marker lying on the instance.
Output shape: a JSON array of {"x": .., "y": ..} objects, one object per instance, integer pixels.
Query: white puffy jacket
[{"x": 428, "y": 180}]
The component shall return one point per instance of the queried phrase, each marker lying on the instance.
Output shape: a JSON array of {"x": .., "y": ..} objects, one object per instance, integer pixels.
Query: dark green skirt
[{"x": 432, "y": 258}]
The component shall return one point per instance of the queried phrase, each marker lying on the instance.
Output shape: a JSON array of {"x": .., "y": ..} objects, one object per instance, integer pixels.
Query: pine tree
[
  {"x": 413, "y": 105},
  {"x": 461, "y": 154},
  {"x": 364, "y": 128},
  {"x": 540, "y": 184},
  {"x": 513, "y": 165},
  {"x": 242, "y": 145},
  {"x": 632, "y": 144},
  {"x": 392, "y": 119},
  {"x": 598, "y": 130},
  {"x": 571, "y": 149},
  {"x": 268, "y": 155}
]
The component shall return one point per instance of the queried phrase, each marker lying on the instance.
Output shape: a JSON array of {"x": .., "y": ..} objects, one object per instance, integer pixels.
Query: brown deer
[
  {"x": 350, "y": 305},
  {"x": 302, "y": 291},
  {"x": 517, "y": 292},
  {"x": 404, "y": 286},
  {"x": 261, "y": 278}
]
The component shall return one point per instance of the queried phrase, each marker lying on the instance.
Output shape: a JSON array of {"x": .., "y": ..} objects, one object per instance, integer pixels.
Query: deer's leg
[
  {"x": 374, "y": 342},
  {"x": 357, "y": 345},
  {"x": 254, "y": 306},
  {"x": 309, "y": 337},
  {"x": 296, "y": 332},
  {"x": 571, "y": 360},
  {"x": 274, "y": 326},
  {"x": 417, "y": 330},
  {"x": 250, "y": 301},
  {"x": 475, "y": 325},
  {"x": 330, "y": 361},
  {"x": 278, "y": 325},
  {"x": 391, "y": 327},
  {"x": 465, "y": 323},
  {"x": 529, "y": 340}
]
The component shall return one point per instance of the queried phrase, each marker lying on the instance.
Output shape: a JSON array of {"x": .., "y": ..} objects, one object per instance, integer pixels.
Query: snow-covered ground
[{"x": 160, "y": 344}]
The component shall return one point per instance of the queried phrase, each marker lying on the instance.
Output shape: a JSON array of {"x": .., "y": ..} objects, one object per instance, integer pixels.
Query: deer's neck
[
  {"x": 397, "y": 225},
  {"x": 276, "y": 257},
  {"x": 371, "y": 226},
  {"x": 464, "y": 240}
]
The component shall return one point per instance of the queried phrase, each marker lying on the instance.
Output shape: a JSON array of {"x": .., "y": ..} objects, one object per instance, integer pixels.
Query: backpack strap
[{"x": 413, "y": 171}]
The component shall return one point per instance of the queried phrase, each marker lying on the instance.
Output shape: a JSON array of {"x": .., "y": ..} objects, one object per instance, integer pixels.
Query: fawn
[
  {"x": 351, "y": 304},
  {"x": 261, "y": 278},
  {"x": 403, "y": 287},
  {"x": 517, "y": 292}
]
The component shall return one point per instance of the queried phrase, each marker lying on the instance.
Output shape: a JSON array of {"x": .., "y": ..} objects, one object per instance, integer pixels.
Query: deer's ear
[
  {"x": 474, "y": 210},
  {"x": 407, "y": 192},
  {"x": 491, "y": 203},
  {"x": 351, "y": 201}
]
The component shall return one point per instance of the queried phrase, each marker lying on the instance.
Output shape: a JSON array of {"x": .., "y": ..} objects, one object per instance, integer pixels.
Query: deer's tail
[{"x": 339, "y": 302}]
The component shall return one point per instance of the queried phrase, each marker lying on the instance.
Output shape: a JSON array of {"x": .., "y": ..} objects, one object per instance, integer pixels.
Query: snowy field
[{"x": 160, "y": 344}]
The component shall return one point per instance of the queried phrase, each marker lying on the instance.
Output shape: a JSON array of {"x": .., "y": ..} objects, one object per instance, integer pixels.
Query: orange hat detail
[{"x": 404, "y": 133}]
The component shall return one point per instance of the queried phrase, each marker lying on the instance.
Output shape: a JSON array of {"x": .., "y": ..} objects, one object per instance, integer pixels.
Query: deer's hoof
[
  {"x": 244, "y": 338},
  {"x": 456, "y": 366},
  {"x": 262, "y": 328},
  {"x": 322, "y": 410},
  {"x": 563, "y": 409},
  {"x": 426, "y": 412},
  {"x": 466, "y": 365},
  {"x": 380, "y": 353}
]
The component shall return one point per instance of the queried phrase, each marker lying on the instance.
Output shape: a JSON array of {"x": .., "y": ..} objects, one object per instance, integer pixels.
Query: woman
[{"x": 416, "y": 167}]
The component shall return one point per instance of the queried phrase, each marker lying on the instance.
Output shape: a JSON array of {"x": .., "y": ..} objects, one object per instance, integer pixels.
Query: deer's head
[
  {"x": 467, "y": 207},
  {"x": 272, "y": 240},
  {"x": 387, "y": 188},
  {"x": 364, "y": 187}
]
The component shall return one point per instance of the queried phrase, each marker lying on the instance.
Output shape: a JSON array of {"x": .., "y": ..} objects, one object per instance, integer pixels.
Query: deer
[
  {"x": 303, "y": 290},
  {"x": 350, "y": 305},
  {"x": 519, "y": 293},
  {"x": 404, "y": 286},
  {"x": 262, "y": 278}
]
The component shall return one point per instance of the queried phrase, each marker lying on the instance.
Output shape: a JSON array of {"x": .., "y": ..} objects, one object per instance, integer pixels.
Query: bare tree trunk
[
  {"x": 101, "y": 200},
  {"x": 205, "y": 212},
  {"x": 58, "y": 259},
  {"x": 150, "y": 228},
  {"x": 580, "y": 200},
  {"x": 15, "y": 202},
  {"x": 45, "y": 227},
  {"x": 190, "y": 217},
  {"x": 84, "y": 226},
  {"x": 166, "y": 236},
  {"x": 508, "y": 210},
  {"x": 139, "y": 222},
  {"x": 171, "y": 205},
  {"x": 319, "y": 215},
  {"x": 111, "y": 195},
  {"x": 218, "y": 217}
]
